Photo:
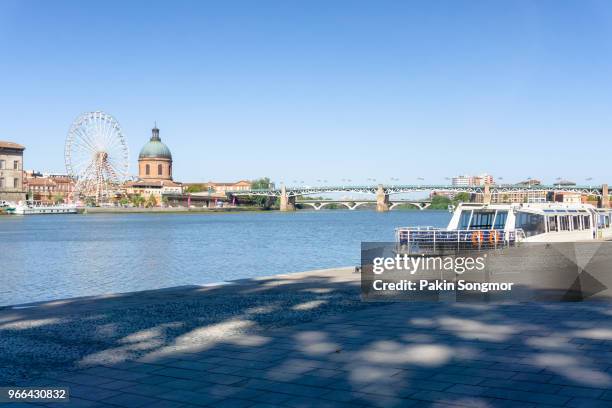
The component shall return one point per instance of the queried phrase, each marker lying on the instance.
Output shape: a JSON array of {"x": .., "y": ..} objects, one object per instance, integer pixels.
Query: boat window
[
  {"x": 531, "y": 224},
  {"x": 464, "y": 220},
  {"x": 563, "y": 223},
  {"x": 576, "y": 223},
  {"x": 482, "y": 220},
  {"x": 552, "y": 224},
  {"x": 500, "y": 219},
  {"x": 586, "y": 221}
]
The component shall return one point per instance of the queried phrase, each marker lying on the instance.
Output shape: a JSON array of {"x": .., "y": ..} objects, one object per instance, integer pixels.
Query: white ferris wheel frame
[{"x": 96, "y": 155}]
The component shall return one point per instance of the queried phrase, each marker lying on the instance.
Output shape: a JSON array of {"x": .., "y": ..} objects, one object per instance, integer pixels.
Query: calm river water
[{"x": 51, "y": 257}]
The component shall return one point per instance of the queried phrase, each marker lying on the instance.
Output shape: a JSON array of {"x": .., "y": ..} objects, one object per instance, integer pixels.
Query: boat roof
[{"x": 545, "y": 208}]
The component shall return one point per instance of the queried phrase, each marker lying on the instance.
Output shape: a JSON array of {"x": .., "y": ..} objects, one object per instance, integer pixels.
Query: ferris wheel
[{"x": 96, "y": 155}]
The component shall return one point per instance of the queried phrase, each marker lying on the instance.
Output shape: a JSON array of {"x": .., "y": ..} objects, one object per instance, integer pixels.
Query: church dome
[{"x": 155, "y": 149}]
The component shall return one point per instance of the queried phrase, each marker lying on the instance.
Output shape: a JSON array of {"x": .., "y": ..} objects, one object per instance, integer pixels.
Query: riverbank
[{"x": 306, "y": 339}]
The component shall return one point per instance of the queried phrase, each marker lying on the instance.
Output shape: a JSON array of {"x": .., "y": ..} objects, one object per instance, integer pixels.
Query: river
[{"x": 63, "y": 256}]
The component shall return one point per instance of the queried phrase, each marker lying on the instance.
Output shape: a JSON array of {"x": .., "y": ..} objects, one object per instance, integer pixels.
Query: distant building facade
[
  {"x": 48, "y": 188},
  {"x": 155, "y": 159},
  {"x": 11, "y": 172},
  {"x": 472, "y": 181},
  {"x": 529, "y": 182},
  {"x": 154, "y": 171},
  {"x": 218, "y": 187}
]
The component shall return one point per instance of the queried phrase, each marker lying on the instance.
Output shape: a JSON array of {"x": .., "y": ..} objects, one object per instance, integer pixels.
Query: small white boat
[
  {"x": 475, "y": 225},
  {"x": 37, "y": 208}
]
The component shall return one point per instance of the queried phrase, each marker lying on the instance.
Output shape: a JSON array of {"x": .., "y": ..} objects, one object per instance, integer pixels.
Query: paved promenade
[{"x": 305, "y": 340}]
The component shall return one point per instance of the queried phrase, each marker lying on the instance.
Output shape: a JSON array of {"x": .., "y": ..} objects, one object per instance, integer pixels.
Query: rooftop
[{"x": 11, "y": 145}]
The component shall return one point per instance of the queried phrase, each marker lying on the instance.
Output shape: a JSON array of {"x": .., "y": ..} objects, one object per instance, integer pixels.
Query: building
[
  {"x": 155, "y": 159},
  {"x": 520, "y": 197},
  {"x": 154, "y": 171},
  {"x": 569, "y": 198},
  {"x": 529, "y": 182},
  {"x": 48, "y": 188},
  {"x": 471, "y": 181},
  {"x": 217, "y": 187},
  {"x": 242, "y": 185},
  {"x": 11, "y": 172}
]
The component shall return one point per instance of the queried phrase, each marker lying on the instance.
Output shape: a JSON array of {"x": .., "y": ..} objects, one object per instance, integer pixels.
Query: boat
[
  {"x": 486, "y": 226},
  {"x": 38, "y": 208}
]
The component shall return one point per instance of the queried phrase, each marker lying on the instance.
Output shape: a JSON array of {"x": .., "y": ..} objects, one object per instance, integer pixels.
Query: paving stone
[
  {"x": 130, "y": 400},
  {"x": 182, "y": 384},
  {"x": 581, "y": 392},
  {"x": 588, "y": 403},
  {"x": 189, "y": 397}
]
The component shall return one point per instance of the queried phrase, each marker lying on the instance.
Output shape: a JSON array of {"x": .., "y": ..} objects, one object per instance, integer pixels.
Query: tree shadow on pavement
[{"x": 307, "y": 340}]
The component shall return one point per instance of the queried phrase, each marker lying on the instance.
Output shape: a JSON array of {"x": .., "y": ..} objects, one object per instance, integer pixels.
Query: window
[
  {"x": 159, "y": 170},
  {"x": 1, "y": 182},
  {"x": 482, "y": 220},
  {"x": 587, "y": 221},
  {"x": 552, "y": 224},
  {"x": 147, "y": 169},
  {"x": 16, "y": 165},
  {"x": 531, "y": 224},
  {"x": 576, "y": 222},
  {"x": 464, "y": 220},
  {"x": 1, "y": 164},
  {"x": 500, "y": 219},
  {"x": 15, "y": 183},
  {"x": 563, "y": 223}
]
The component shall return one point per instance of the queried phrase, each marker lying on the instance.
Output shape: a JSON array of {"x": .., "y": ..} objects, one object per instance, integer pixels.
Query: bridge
[
  {"x": 382, "y": 192},
  {"x": 354, "y": 204}
]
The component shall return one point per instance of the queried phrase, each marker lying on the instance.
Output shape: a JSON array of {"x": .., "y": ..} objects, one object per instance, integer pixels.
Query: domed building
[
  {"x": 154, "y": 172},
  {"x": 155, "y": 159}
]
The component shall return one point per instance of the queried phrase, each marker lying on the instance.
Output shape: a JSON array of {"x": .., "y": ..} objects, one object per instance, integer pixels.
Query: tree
[
  {"x": 461, "y": 198},
  {"x": 137, "y": 200},
  {"x": 195, "y": 188},
  {"x": 124, "y": 201},
  {"x": 58, "y": 198},
  {"x": 439, "y": 202},
  {"x": 151, "y": 201},
  {"x": 262, "y": 183}
]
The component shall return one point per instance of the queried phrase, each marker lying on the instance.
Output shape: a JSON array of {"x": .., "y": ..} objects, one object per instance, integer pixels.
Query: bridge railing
[{"x": 436, "y": 240}]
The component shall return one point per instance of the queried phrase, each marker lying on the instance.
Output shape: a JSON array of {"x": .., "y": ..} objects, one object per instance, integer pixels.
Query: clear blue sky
[{"x": 319, "y": 89}]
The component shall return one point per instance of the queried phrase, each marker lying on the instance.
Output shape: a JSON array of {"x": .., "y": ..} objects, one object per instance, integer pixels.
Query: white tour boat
[
  {"x": 475, "y": 225},
  {"x": 36, "y": 208}
]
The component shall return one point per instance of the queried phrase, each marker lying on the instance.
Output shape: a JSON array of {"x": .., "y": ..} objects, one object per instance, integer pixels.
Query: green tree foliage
[
  {"x": 137, "y": 200},
  {"x": 151, "y": 202},
  {"x": 461, "y": 198},
  {"x": 58, "y": 198},
  {"x": 265, "y": 202},
  {"x": 439, "y": 202},
  {"x": 262, "y": 183},
  {"x": 195, "y": 188}
]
